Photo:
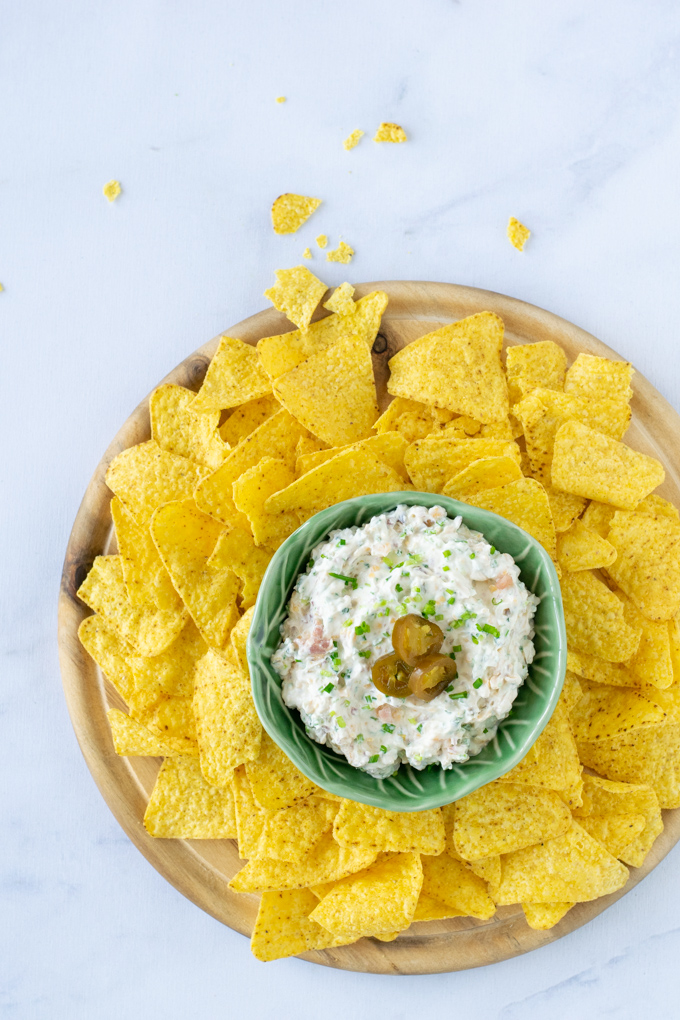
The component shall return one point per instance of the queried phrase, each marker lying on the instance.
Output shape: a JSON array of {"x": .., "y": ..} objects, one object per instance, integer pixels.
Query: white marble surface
[{"x": 564, "y": 114}]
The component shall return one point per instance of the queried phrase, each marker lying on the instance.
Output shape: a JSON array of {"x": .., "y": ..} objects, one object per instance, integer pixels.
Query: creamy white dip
[{"x": 411, "y": 560}]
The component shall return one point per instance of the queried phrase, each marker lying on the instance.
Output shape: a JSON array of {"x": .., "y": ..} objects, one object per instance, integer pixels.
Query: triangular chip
[
  {"x": 572, "y": 691},
  {"x": 580, "y": 548},
  {"x": 594, "y": 618},
  {"x": 296, "y": 293},
  {"x": 144, "y": 477},
  {"x": 389, "y": 448},
  {"x": 409, "y": 418},
  {"x": 283, "y": 926},
  {"x": 430, "y": 909},
  {"x": 248, "y": 417},
  {"x": 525, "y": 503},
  {"x": 592, "y": 667},
  {"x": 239, "y": 637},
  {"x": 184, "y": 806},
  {"x": 598, "y": 517},
  {"x": 541, "y": 916},
  {"x": 647, "y": 565},
  {"x": 146, "y": 579},
  {"x": 110, "y": 651},
  {"x": 277, "y": 783},
  {"x": 564, "y": 507},
  {"x": 502, "y": 817},
  {"x": 171, "y": 672},
  {"x": 452, "y": 883},
  {"x": 325, "y": 862},
  {"x": 234, "y": 376},
  {"x": 530, "y": 365},
  {"x": 552, "y": 762},
  {"x": 652, "y": 662},
  {"x": 132, "y": 738},
  {"x": 169, "y": 716},
  {"x": 236, "y": 550},
  {"x": 607, "y": 712},
  {"x": 292, "y": 832},
  {"x": 457, "y": 367},
  {"x": 227, "y": 726},
  {"x": 615, "y": 831},
  {"x": 647, "y": 755},
  {"x": 431, "y": 463},
  {"x": 178, "y": 428},
  {"x": 486, "y": 473},
  {"x": 604, "y": 798},
  {"x": 488, "y": 868},
  {"x": 593, "y": 378},
  {"x": 251, "y": 491},
  {"x": 372, "y": 828},
  {"x": 289, "y": 212},
  {"x": 341, "y": 300}
]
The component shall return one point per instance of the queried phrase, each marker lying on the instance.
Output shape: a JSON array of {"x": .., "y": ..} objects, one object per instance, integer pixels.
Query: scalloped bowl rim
[{"x": 408, "y": 789}]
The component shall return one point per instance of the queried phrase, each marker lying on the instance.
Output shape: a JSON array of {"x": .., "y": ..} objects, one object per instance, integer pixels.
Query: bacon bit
[
  {"x": 502, "y": 581},
  {"x": 320, "y": 644}
]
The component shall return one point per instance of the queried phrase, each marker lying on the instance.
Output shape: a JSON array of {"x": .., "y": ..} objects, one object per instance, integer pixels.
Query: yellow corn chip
[
  {"x": 529, "y": 366},
  {"x": 564, "y": 508},
  {"x": 409, "y": 418},
  {"x": 325, "y": 862},
  {"x": 657, "y": 506},
  {"x": 518, "y": 234},
  {"x": 430, "y": 909},
  {"x": 234, "y": 376},
  {"x": 648, "y": 755},
  {"x": 148, "y": 629},
  {"x": 332, "y": 393},
  {"x": 146, "y": 579},
  {"x": 583, "y": 549},
  {"x": 250, "y": 817},
  {"x": 552, "y": 762},
  {"x": 184, "y": 806},
  {"x": 593, "y": 378},
  {"x": 615, "y": 832},
  {"x": 236, "y": 550},
  {"x": 144, "y": 477},
  {"x": 250, "y": 493},
  {"x": 389, "y": 447},
  {"x": 248, "y": 417},
  {"x": 353, "y": 473},
  {"x": 502, "y": 817},
  {"x": 592, "y": 667},
  {"x": 341, "y": 300},
  {"x": 647, "y": 566},
  {"x": 607, "y": 712},
  {"x": 296, "y": 293},
  {"x": 496, "y": 430},
  {"x": 170, "y": 717},
  {"x": 382, "y": 899},
  {"x": 227, "y": 725},
  {"x": 277, "y": 783},
  {"x": 674, "y": 639},
  {"x": 185, "y": 537},
  {"x": 350, "y": 142},
  {"x": 525, "y": 503},
  {"x": 572, "y": 868},
  {"x": 598, "y": 517},
  {"x": 343, "y": 253},
  {"x": 591, "y": 464},
  {"x": 452, "y": 883},
  {"x": 280, "y": 354},
  {"x": 389, "y": 132},
  {"x": 110, "y": 651},
  {"x": 457, "y": 367},
  {"x": 111, "y": 190},
  {"x": 652, "y": 663},
  {"x": 276, "y": 437},
  {"x": 239, "y": 636},
  {"x": 177, "y": 428},
  {"x": 372, "y": 828},
  {"x": 283, "y": 926},
  {"x": 488, "y": 868},
  {"x": 171, "y": 672},
  {"x": 572, "y": 691},
  {"x": 131, "y": 738},
  {"x": 482, "y": 474},
  {"x": 431, "y": 463},
  {"x": 541, "y": 916},
  {"x": 289, "y": 212},
  {"x": 604, "y": 798},
  {"x": 290, "y": 833},
  {"x": 595, "y": 620}
]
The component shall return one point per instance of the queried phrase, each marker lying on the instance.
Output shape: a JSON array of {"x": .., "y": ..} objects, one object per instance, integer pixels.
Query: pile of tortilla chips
[{"x": 277, "y": 433}]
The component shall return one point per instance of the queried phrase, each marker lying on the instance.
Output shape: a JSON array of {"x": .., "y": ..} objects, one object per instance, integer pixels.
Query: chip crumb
[
  {"x": 307, "y": 253},
  {"x": 280, "y": 99},
  {"x": 353, "y": 139},
  {"x": 322, "y": 240},
  {"x": 343, "y": 253},
  {"x": 518, "y": 234},
  {"x": 112, "y": 190},
  {"x": 290, "y": 211},
  {"x": 388, "y": 132}
]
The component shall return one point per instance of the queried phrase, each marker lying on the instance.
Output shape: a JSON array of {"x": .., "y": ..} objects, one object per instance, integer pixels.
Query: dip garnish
[{"x": 416, "y": 665}]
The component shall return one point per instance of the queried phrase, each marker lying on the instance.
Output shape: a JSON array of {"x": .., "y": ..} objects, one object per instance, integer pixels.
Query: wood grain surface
[{"x": 201, "y": 869}]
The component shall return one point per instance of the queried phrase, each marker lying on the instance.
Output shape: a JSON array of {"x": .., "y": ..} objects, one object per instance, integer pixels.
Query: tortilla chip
[
  {"x": 502, "y": 817},
  {"x": 353, "y": 473},
  {"x": 325, "y": 862},
  {"x": 382, "y": 899},
  {"x": 431, "y": 463},
  {"x": 248, "y": 417},
  {"x": 341, "y": 300},
  {"x": 277, "y": 783},
  {"x": 110, "y": 651},
  {"x": 564, "y": 507},
  {"x": 239, "y": 637},
  {"x": 595, "y": 620},
  {"x": 234, "y": 376},
  {"x": 603, "y": 798},
  {"x": 148, "y": 629},
  {"x": 430, "y": 909},
  {"x": 647, "y": 566},
  {"x": 177, "y": 428},
  {"x": 290, "y": 833},
  {"x": 184, "y": 806},
  {"x": 456, "y": 367},
  {"x": 283, "y": 926},
  {"x": 583, "y": 549},
  {"x": 186, "y": 538},
  {"x": 282, "y": 353},
  {"x": 251, "y": 492},
  {"x": 236, "y": 550},
  {"x": 572, "y": 691},
  {"x": 485, "y": 473},
  {"x": 389, "y": 447},
  {"x": 131, "y": 738},
  {"x": 541, "y": 916},
  {"x": 592, "y": 378},
  {"x": 615, "y": 832},
  {"x": 169, "y": 716},
  {"x": 372, "y": 828},
  {"x": 452, "y": 883},
  {"x": 657, "y": 506},
  {"x": 146, "y": 579},
  {"x": 389, "y": 132},
  {"x": 350, "y": 142},
  {"x": 289, "y": 212},
  {"x": 144, "y": 477},
  {"x": 525, "y": 503},
  {"x": 528, "y": 366},
  {"x": 496, "y": 430},
  {"x": 598, "y": 670},
  {"x": 518, "y": 234},
  {"x": 648, "y": 755},
  {"x": 276, "y": 437},
  {"x": 343, "y": 253},
  {"x": 652, "y": 663},
  {"x": 598, "y": 517},
  {"x": 604, "y": 713},
  {"x": 296, "y": 293},
  {"x": 227, "y": 725},
  {"x": 409, "y": 418},
  {"x": 171, "y": 672},
  {"x": 552, "y": 762},
  {"x": 251, "y": 819},
  {"x": 591, "y": 464}
]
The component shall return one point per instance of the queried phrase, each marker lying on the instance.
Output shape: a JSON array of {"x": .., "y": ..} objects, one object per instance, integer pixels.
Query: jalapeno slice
[
  {"x": 432, "y": 675},
  {"x": 391, "y": 676},
  {"x": 414, "y": 636}
]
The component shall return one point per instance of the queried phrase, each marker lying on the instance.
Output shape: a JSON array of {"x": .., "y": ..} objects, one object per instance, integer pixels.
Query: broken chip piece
[
  {"x": 296, "y": 293},
  {"x": 518, "y": 234},
  {"x": 340, "y": 300},
  {"x": 343, "y": 253},
  {"x": 111, "y": 190},
  {"x": 351, "y": 141},
  {"x": 289, "y": 212},
  {"x": 389, "y": 132}
]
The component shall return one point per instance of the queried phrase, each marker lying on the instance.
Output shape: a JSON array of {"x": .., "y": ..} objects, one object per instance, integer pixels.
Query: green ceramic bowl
[{"x": 409, "y": 789}]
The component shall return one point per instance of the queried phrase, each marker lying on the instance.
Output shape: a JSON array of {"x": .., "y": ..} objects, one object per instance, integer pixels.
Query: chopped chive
[
  {"x": 446, "y": 568},
  {"x": 477, "y": 683},
  {"x": 374, "y": 757},
  {"x": 383, "y": 749},
  {"x": 412, "y": 720},
  {"x": 472, "y": 556},
  {"x": 310, "y": 564},
  {"x": 447, "y": 553},
  {"x": 439, "y": 616},
  {"x": 366, "y": 654},
  {"x": 458, "y": 648},
  {"x": 327, "y": 689},
  {"x": 359, "y": 736},
  {"x": 363, "y": 628},
  {"x": 485, "y": 730},
  {"x": 388, "y": 727},
  {"x": 398, "y": 587},
  {"x": 342, "y": 542},
  {"x": 348, "y": 623},
  {"x": 492, "y": 550},
  {"x": 451, "y": 600},
  {"x": 474, "y": 640},
  {"x": 341, "y": 722},
  {"x": 487, "y": 628},
  {"x": 420, "y": 728},
  {"x": 342, "y": 577},
  {"x": 460, "y": 694}
]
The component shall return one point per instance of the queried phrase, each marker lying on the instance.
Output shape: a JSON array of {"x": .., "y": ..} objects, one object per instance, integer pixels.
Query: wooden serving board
[{"x": 201, "y": 869}]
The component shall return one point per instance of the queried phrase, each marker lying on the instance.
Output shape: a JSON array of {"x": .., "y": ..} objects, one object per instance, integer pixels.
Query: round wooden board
[{"x": 201, "y": 869}]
